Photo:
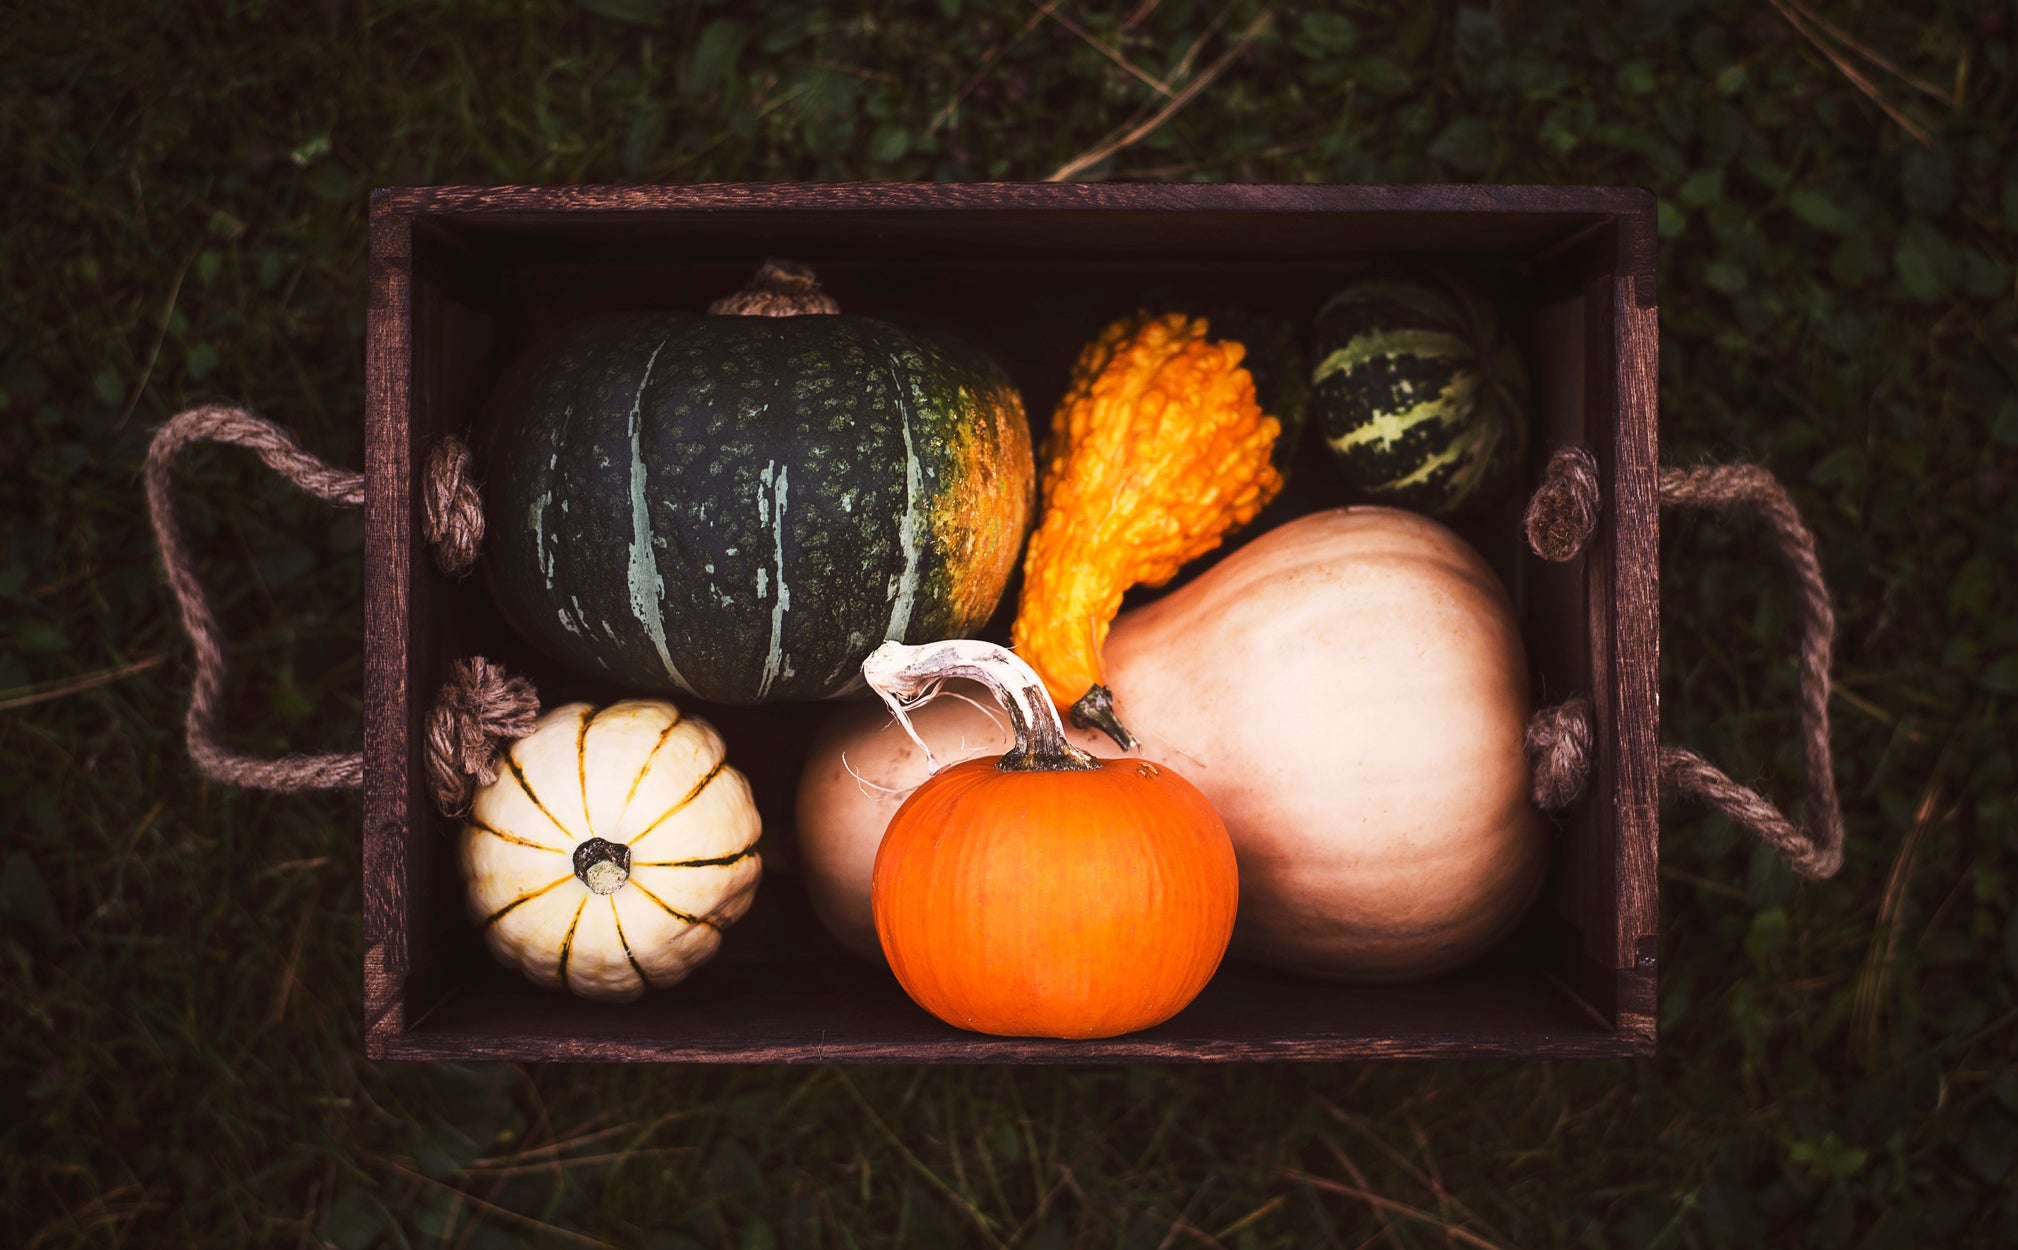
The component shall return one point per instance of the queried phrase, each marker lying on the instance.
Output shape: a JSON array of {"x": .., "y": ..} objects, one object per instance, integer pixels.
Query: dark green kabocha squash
[
  {"x": 742, "y": 506},
  {"x": 1420, "y": 396}
]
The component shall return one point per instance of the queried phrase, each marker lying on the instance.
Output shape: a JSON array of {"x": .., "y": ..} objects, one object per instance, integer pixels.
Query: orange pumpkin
[{"x": 1048, "y": 893}]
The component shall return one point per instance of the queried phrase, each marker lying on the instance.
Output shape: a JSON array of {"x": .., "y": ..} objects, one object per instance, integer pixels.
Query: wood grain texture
[
  {"x": 1026, "y": 196},
  {"x": 462, "y": 277},
  {"x": 390, "y": 784},
  {"x": 833, "y": 1012},
  {"x": 1593, "y": 870},
  {"x": 1636, "y": 629}
]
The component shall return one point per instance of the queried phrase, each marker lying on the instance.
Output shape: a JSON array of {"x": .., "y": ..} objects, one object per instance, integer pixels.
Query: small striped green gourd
[
  {"x": 614, "y": 846},
  {"x": 741, "y": 506},
  {"x": 1418, "y": 393}
]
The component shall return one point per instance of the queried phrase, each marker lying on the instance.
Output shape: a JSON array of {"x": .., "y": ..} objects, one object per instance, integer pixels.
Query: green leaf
[
  {"x": 1924, "y": 262},
  {"x": 1979, "y": 275},
  {"x": 1822, "y": 211},
  {"x": 1321, "y": 33},
  {"x": 1705, "y": 186},
  {"x": 1991, "y": 1146},
  {"x": 1831, "y": 1158},
  {"x": 108, "y": 386},
  {"x": 2004, "y": 430},
  {"x": 32, "y": 633},
  {"x": 430, "y": 1216},
  {"x": 1465, "y": 145},
  {"x": 201, "y": 359},
  {"x": 1725, "y": 276},
  {"x": 1768, "y": 936},
  {"x": 355, "y": 1221},
  {"x": 1479, "y": 47},
  {"x": 1670, "y": 220},
  {"x": 25, "y": 902},
  {"x": 647, "y": 133},
  {"x": 1382, "y": 76},
  {"x": 1857, "y": 260},
  {"x": 310, "y": 151},
  {"x": 331, "y": 183},
  {"x": 2002, "y": 677},
  {"x": 1928, "y": 180},
  {"x": 631, "y": 12},
  {"x": 713, "y": 56},
  {"x": 208, "y": 266},
  {"x": 890, "y": 142},
  {"x": 1974, "y": 592},
  {"x": 1637, "y": 78},
  {"x": 2005, "y": 1086}
]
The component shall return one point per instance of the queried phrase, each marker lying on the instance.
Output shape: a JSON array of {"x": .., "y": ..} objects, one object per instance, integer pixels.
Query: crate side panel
[
  {"x": 1636, "y": 644},
  {"x": 389, "y": 791},
  {"x": 452, "y": 340}
]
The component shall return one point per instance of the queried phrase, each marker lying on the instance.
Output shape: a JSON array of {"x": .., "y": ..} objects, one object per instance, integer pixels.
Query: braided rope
[
  {"x": 475, "y": 708},
  {"x": 1561, "y": 518}
]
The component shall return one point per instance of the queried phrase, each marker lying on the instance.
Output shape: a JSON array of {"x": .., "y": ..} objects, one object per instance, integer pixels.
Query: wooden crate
[{"x": 461, "y": 276}]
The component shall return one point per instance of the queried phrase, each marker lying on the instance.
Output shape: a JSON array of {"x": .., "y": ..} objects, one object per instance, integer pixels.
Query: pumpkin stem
[
  {"x": 900, "y": 675},
  {"x": 1095, "y": 710},
  {"x": 781, "y": 288},
  {"x": 604, "y": 867}
]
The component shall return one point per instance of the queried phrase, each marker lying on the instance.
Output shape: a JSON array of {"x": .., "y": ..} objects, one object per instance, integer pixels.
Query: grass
[{"x": 182, "y": 220}]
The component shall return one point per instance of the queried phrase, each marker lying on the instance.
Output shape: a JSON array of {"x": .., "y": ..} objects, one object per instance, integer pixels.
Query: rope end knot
[
  {"x": 1563, "y": 514},
  {"x": 479, "y": 710},
  {"x": 1558, "y": 748}
]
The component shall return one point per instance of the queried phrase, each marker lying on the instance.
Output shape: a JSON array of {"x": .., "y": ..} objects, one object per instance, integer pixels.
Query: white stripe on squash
[
  {"x": 1433, "y": 344},
  {"x": 1451, "y": 406},
  {"x": 647, "y": 585},
  {"x": 776, "y": 658},
  {"x": 904, "y": 587}
]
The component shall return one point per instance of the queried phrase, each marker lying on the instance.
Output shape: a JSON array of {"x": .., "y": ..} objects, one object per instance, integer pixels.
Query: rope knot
[
  {"x": 451, "y": 509},
  {"x": 478, "y": 706},
  {"x": 1563, "y": 514},
  {"x": 1558, "y": 746}
]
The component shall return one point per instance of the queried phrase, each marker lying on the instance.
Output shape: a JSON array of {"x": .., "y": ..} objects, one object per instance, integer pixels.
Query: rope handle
[
  {"x": 478, "y": 705},
  {"x": 1560, "y": 519}
]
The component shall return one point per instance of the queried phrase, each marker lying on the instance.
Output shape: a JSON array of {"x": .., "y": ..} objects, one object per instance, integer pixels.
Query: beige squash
[
  {"x": 1349, "y": 690},
  {"x": 612, "y": 849}
]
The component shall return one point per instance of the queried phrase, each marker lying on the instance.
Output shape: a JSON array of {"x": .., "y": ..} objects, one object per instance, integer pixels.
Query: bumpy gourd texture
[{"x": 1157, "y": 450}]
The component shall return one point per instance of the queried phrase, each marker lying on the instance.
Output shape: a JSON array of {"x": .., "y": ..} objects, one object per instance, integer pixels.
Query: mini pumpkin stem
[
  {"x": 604, "y": 867},
  {"x": 781, "y": 288},
  {"x": 901, "y": 674}
]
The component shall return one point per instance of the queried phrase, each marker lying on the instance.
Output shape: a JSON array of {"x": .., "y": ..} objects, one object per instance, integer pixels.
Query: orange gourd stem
[
  {"x": 901, "y": 675},
  {"x": 1157, "y": 450}
]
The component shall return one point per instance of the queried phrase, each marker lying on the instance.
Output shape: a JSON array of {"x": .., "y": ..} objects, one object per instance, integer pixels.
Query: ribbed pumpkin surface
[
  {"x": 642, "y": 777},
  {"x": 1055, "y": 904}
]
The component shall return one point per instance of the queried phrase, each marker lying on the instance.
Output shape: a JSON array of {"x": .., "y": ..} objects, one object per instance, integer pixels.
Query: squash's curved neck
[{"x": 901, "y": 674}]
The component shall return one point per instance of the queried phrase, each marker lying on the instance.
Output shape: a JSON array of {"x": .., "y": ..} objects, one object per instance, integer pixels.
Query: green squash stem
[
  {"x": 781, "y": 288},
  {"x": 1095, "y": 710}
]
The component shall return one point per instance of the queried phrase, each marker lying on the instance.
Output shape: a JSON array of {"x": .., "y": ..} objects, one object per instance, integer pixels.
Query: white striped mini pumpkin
[{"x": 611, "y": 850}]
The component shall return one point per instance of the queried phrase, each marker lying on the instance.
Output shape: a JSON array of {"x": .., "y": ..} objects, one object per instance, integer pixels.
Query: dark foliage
[{"x": 181, "y": 220}]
